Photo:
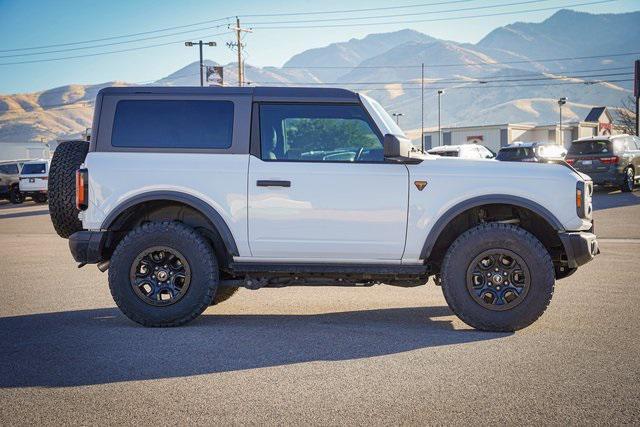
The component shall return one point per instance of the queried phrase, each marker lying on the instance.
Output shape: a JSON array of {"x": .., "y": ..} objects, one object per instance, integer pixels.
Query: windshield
[
  {"x": 389, "y": 124},
  {"x": 590, "y": 147},
  {"x": 34, "y": 168},
  {"x": 515, "y": 153}
]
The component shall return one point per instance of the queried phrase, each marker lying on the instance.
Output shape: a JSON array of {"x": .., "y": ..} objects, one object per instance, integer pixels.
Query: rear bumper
[
  {"x": 87, "y": 246},
  {"x": 581, "y": 247},
  {"x": 609, "y": 177}
]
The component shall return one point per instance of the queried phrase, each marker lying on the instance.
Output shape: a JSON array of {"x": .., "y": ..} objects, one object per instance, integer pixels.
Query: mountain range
[{"x": 503, "y": 78}]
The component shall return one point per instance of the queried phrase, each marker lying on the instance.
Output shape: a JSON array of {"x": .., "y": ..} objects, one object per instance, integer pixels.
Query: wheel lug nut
[{"x": 496, "y": 268}]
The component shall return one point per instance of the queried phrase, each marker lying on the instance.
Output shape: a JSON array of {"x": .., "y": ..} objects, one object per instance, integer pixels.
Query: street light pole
[
  {"x": 397, "y": 116},
  {"x": 200, "y": 43},
  {"x": 440, "y": 92},
  {"x": 561, "y": 102}
]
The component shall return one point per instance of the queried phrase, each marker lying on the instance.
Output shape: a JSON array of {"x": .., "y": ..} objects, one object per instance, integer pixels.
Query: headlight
[{"x": 584, "y": 192}]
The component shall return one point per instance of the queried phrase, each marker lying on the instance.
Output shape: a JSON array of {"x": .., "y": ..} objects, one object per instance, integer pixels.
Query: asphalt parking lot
[{"x": 380, "y": 355}]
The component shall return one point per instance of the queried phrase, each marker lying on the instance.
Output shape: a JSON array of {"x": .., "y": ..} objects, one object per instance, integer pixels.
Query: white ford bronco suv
[{"x": 186, "y": 194}]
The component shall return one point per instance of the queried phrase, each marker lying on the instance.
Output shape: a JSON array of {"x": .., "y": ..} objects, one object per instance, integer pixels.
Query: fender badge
[{"x": 420, "y": 184}]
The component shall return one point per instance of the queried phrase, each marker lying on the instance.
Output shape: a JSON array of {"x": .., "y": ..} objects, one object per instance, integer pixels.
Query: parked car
[
  {"x": 34, "y": 178},
  {"x": 10, "y": 182},
  {"x": 531, "y": 152},
  {"x": 187, "y": 194},
  {"x": 464, "y": 151},
  {"x": 608, "y": 160}
]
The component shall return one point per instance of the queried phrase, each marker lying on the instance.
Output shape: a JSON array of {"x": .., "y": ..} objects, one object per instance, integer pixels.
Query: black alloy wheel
[
  {"x": 498, "y": 279},
  {"x": 160, "y": 276}
]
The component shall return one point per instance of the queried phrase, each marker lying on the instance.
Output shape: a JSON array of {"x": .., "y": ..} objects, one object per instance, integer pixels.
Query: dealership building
[{"x": 598, "y": 122}]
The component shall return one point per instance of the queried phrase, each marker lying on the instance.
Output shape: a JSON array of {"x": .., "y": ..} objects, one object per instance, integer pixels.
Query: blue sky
[{"x": 30, "y": 23}]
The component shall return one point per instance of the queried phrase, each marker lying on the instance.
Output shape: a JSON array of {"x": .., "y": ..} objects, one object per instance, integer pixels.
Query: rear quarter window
[
  {"x": 189, "y": 124},
  {"x": 578, "y": 148},
  {"x": 34, "y": 168},
  {"x": 515, "y": 153}
]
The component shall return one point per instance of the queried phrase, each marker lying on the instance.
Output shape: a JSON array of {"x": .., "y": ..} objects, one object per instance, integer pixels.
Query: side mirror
[{"x": 398, "y": 149}]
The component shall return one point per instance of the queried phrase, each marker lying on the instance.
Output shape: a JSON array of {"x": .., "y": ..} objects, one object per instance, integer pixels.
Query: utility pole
[
  {"x": 200, "y": 43},
  {"x": 440, "y": 92},
  {"x": 422, "y": 109},
  {"x": 636, "y": 93},
  {"x": 561, "y": 102},
  {"x": 238, "y": 29}
]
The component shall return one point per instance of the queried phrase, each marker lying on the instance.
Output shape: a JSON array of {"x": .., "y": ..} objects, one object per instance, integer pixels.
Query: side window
[
  {"x": 637, "y": 142},
  {"x": 318, "y": 132},
  {"x": 190, "y": 124},
  {"x": 9, "y": 169}
]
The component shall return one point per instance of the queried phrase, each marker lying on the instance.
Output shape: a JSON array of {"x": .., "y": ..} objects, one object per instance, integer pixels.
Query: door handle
[{"x": 271, "y": 183}]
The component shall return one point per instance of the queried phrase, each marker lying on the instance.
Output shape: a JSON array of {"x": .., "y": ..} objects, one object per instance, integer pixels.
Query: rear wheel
[
  {"x": 628, "y": 181},
  {"x": 497, "y": 277},
  {"x": 15, "y": 196},
  {"x": 163, "y": 274},
  {"x": 62, "y": 186}
]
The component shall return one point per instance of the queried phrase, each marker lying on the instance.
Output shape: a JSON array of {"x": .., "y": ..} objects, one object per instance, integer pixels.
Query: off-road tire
[
  {"x": 198, "y": 254},
  {"x": 491, "y": 236},
  {"x": 62, "y": 186},
  {"x": 15, "y": 196},
  {"x": 628, "y": 181},
  {"x": 224, "y": 293}
]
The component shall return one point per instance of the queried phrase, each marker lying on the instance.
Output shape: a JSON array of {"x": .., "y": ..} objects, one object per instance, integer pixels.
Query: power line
[
  {"x": 451, "y": 81},
  {"x": 454, "y": 18},
  {"x": 493, "y": 6},
  {"x": 115, "y": 37},
  {"x": 111, "y": 44},
  {"x": 527, "y": 61},
  {"x": 365, "y": 89},
  {"x": 371, "y": 9},
  {"x": 105, "y": 53}
]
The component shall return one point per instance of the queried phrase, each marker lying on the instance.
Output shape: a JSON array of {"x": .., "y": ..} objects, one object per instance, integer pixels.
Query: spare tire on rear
[{"x": 62, "y": 186}]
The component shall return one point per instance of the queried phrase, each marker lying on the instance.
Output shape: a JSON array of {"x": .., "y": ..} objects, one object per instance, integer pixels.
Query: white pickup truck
[{"x": 186, "y": 194}]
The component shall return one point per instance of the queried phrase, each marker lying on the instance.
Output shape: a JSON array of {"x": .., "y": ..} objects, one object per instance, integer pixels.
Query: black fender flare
[
  {"x": 499, "y": 199},
  {"x": 196, "y": 203}
]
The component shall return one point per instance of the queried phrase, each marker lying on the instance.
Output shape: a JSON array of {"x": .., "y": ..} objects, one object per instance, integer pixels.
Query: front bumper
[
  {"x": 87, "y": 247},
  {"x": 580, "y": 247}
]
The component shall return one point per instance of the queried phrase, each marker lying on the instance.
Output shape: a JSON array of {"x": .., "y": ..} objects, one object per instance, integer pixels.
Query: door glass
[{"x": 317, "y": 133}]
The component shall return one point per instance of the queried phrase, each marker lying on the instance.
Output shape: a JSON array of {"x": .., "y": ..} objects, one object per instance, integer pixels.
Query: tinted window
[
  {"x": 9, "y": 169},
  {"x": 173, "y": 124},
  {"x": 306, "y": 132},
  {"x": 512, "y": 154},
  {"x": 590, "y": 147},
  {"x": 452, "y": 153},
  {"x": 34, "y": 168}
]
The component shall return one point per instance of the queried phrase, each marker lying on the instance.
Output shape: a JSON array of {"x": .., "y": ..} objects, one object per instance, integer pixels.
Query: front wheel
[
  {"x": 163, "y": 274},
  {"x": 628, "y": 181},
  {"x": 497, "y": 277},
  {"x": 15, "y": 196}
]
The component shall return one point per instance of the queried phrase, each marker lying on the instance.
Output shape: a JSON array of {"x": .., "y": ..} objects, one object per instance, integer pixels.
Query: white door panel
[{"x": 331, "y": 210}]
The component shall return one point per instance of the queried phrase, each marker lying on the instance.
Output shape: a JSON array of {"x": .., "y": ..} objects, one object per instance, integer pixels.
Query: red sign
[
  {"x": 605, "y": 128},
  {"x": 475, "y": 138}
]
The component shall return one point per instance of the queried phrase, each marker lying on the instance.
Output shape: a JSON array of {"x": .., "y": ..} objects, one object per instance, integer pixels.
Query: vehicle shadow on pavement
[
  {"x": 44, "y": 211},
  {"x": 605, "y": 198},
  {"x": 101, "y": 346}
]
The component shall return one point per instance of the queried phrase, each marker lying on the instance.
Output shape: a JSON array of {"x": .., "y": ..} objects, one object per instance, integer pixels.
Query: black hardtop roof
[{"x": 263, "y": 92}]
